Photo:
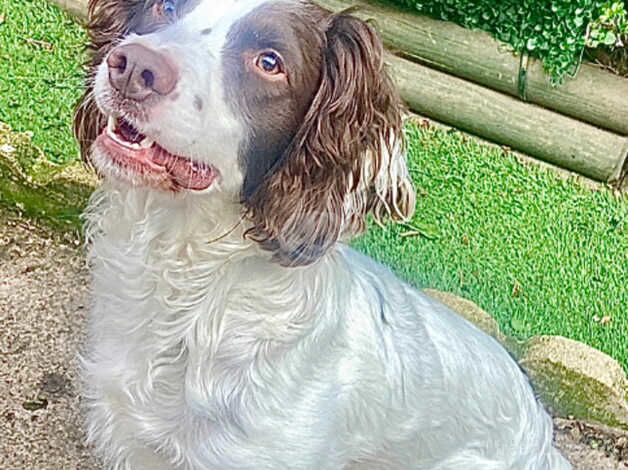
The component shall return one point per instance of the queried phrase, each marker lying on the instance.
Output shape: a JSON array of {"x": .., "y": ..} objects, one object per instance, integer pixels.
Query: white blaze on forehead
[{"x": 219, "y": 16}]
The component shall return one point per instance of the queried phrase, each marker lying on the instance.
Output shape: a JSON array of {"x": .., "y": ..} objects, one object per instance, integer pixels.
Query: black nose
[{"x": 138, "y": 72}]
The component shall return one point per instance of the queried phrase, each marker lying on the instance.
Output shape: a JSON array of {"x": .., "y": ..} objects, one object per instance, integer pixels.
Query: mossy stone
[
  {"x": 574, "y": 379},
  {"x": 30, "y": 184},
  {"x": 468, "y": 310}
]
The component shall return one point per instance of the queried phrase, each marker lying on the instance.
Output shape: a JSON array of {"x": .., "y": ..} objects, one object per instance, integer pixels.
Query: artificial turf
[
  {"x": 542, "y": 254},
  {"x": 41, "y": 57}
]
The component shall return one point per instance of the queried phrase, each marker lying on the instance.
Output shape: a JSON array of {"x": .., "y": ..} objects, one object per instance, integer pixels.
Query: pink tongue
[{"x": 184, "y": 172}]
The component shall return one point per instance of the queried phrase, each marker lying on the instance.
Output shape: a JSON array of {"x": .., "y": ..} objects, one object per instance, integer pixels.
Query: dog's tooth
[
  {"x": 111, "y": 125},
  {"x": 146, "y": 143}
]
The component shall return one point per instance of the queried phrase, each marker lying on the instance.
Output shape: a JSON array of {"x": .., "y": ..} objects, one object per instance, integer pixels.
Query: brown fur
[
  {"x": 299, "y": 211},
  {"x": 254, "y": 99}
]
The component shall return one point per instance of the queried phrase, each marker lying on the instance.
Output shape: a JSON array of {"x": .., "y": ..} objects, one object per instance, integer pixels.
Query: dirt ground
[{"x": 43, "y": 303}]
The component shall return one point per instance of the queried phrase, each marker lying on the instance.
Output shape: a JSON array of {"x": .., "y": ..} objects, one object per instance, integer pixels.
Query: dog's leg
[{"x": 113, "y": 435}]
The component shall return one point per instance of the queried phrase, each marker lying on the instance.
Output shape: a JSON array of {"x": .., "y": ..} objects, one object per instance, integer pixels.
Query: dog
[{"x": 241, "y": 143}]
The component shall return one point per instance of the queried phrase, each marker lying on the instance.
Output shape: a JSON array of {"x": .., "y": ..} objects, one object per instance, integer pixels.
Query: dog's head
[{"x": 279, "y": 104}]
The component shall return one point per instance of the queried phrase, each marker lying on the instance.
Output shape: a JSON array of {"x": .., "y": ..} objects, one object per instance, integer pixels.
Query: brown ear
[
  {"x": 108, "y": 22},
  {"x": 346, "y": 159}
]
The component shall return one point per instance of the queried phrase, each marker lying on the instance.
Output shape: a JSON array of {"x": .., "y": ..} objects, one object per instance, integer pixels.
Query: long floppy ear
[
  {"x": 108, "y": 22},
  {"x": 346, "y": 160}
]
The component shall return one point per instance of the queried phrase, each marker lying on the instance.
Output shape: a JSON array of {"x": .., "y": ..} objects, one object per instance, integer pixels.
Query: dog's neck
[
  {"x": 145, "y": 219},
  {"x": 186, "y": 252},
  {"x": 178, "y": 280}
]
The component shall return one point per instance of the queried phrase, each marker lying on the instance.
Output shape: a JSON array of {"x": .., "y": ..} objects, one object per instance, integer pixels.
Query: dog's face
[
  {"x": 206, "y": 95},
  {"x": 278, "y": 104}
]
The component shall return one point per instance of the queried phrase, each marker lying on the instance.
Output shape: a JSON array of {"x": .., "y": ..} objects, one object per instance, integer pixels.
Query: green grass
[
  {"x": 544, "y": 255},
  {"x": 41, "y": 53}
]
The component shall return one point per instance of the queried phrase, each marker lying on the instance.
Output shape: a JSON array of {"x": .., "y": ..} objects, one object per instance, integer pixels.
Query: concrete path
[{"x": 43, "y": 302}]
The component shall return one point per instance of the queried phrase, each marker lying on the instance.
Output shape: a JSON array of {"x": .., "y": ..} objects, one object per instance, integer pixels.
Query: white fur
[
  {"x": 206, "y": 355},
  {"x": 203, "y": 353}
]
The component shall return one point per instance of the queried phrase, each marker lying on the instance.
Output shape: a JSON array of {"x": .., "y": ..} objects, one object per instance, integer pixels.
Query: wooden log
[
  {"x": 539, "y": 132},
  {"x": 594, "y": 95}
]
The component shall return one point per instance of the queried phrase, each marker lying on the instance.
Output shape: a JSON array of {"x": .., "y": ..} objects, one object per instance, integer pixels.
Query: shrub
[
  {"x": 555, "y": 31},
  {"x": 610, "y": 29}
]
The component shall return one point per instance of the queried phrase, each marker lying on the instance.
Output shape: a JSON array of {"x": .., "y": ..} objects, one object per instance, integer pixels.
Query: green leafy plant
[
  {"x": 607, "y": 38},
  {"x": 555, "y": 31},
  {"x": 610, "y": 29}
]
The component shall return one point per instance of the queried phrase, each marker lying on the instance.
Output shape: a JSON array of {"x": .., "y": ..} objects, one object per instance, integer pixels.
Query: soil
[
  {"x": 615, "y": 61},
  {"x": 43, "y": 303}
]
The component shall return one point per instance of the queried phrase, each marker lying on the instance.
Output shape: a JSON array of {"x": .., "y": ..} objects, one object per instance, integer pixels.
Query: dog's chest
[
  {"x": 179, "y": 337},
  {"x": 156, "y": 349}
]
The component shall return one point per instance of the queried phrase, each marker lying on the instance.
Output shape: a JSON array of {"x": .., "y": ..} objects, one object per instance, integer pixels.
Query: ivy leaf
[
  {"x": 609, "y": 38},
  {"x": 554, "y": 31}
]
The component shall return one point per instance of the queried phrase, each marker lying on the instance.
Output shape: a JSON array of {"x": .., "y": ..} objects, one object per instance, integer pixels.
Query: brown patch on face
[
  {"x": 152, "y": 17},
  {"x": 272, "y": 109},
  {"x": 315, "y": 151}
]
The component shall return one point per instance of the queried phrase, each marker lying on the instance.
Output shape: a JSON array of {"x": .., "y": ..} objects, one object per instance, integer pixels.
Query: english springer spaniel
[{"x": 240, "y": 143}]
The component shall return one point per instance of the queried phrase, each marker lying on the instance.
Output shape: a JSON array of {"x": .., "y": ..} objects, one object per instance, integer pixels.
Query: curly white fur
[{"x": 207, "y": 355}]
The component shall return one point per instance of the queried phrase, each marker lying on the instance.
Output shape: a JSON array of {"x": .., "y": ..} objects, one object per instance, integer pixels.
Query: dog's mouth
[{"x": 140, "y": 159}]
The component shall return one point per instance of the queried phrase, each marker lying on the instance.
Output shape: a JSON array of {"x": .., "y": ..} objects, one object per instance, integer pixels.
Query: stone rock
[
  {"x": 32, "y": 185},
  {"x": 469, "y": 311},
  {"x": 573, "y": 379}
]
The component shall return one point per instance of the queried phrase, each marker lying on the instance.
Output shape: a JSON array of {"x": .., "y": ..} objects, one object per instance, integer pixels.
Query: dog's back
[{"x": 462, "y": 401}]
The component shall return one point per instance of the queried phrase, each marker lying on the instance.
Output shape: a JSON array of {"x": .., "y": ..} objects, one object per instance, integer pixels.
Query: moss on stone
[
  {"x": 573, "y": 379},
  {"x": 30, "y": 184},
  {"x": 468, "y": 310}
]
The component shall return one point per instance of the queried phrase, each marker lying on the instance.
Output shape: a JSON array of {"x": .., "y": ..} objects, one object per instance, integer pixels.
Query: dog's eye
[
  {"x": 270, "y": 63},
  {"x": 166, "y": 9},
  {"x": 169, "y": 7}
]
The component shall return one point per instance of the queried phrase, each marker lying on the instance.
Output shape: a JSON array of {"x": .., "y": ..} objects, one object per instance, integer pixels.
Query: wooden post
[
  {"x": 594, "y": 95},
  {"x": 534, "y": 130}
]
